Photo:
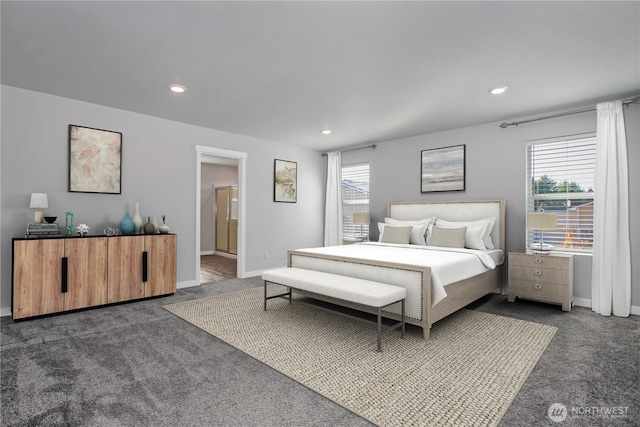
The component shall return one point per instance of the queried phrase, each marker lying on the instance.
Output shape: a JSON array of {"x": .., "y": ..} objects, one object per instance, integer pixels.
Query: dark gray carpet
[{"x": 138, "y": 365}]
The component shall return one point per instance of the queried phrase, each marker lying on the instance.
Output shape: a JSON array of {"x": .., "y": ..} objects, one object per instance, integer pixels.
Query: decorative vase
[
  {"x": 154, "y": 221},
  {"x": 126, "y": 225},
  {"x": 137, "y": 220},
  {"x": 164, "y": 228},
  {"x": 148, "y": 227},
  {"x": 69, "y": 223}
]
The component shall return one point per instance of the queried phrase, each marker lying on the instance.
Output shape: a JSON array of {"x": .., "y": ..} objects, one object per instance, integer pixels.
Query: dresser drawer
[
  {"x": 538, "y": 274},
  {"x": 545, "y": 261},
  {"x": 540, "y": 291}
]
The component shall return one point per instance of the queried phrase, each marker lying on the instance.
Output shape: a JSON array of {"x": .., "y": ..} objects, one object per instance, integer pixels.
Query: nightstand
[{"x": 546, "y": 278}]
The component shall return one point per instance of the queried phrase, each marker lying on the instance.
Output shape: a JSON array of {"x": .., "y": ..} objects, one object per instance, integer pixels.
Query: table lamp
[
  {"x": 361, "y": 218},
  {"x": 541, "y": 221},
  {"x": 38, "y": 202}
]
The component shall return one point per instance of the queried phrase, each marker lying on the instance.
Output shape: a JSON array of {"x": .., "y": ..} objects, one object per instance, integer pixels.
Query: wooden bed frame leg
[{"x": 425, "y": 331}]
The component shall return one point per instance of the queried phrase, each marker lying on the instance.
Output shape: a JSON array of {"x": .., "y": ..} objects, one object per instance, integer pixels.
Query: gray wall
[
  {"x": 158, "y": 170},
  {"x": 495, "y": 168},
  {"x": 159, "y": 161},
  {"x": 212, "y": 176}
]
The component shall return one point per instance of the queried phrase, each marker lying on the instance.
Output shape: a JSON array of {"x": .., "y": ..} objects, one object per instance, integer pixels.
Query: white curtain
[
  {"x": 333, "y": 204},
  {"x": 611, "y": 272}
]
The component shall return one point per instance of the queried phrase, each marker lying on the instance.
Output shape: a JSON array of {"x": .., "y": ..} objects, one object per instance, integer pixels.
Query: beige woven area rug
[{"x": 467, "y": 374}]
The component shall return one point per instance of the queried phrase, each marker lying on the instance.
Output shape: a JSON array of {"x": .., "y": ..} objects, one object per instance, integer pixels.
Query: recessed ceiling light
[
  {"x": 177, "y": 88},
  {"x": 498, "y": 90},
  {"x": 326, "y": 131}
]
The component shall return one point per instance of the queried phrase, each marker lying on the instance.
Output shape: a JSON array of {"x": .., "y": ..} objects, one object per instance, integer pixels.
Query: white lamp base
[{"x": 37, "y": 218}]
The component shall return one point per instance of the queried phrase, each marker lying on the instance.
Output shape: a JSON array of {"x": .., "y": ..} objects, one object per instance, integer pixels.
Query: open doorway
[
  {"x": 218, "y": 219},
  {"x": 220, "y": 214}
]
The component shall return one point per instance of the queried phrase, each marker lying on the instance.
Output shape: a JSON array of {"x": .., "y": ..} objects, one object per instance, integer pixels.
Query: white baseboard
[
  {"x": 226, "y": 254},
  {"x": 255, "y": 273},
  {"x": 5, "y": 311},
  {"x": 582, "y": 302},
  {"x": 186, "y": 284}
]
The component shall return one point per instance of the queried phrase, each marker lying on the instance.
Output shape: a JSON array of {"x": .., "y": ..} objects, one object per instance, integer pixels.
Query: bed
[{"x": 436, "y": 286}]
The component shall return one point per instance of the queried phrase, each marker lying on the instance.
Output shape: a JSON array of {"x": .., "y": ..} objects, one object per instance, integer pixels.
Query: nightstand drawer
[
  {"x": 545, "y": 261},
  {"x": 538, "y": 290},
  {"x": 538, "y": 274}
]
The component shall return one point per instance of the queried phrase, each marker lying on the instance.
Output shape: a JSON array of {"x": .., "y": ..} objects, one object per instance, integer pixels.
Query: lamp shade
[
  {"x": 542, "y": 221},
  {"x": 361, "y": 218},
  {"x": 39, "y": 201}
]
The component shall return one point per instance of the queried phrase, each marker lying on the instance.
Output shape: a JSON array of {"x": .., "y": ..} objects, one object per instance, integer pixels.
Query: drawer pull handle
[
  {"x": 538, "y": 260},
  {"x": 538, "y": 273},
  {"x": 538, "y": 286}
]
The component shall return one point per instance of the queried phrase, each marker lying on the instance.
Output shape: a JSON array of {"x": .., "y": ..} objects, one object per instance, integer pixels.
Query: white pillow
[
  {"x": 486, "y": 237},
  {"x": 472, "y": 236},
  {"x": 419, "y": 230}
]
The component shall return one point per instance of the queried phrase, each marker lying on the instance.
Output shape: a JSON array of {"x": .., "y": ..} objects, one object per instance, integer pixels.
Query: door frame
[{"x": 241, "y": 157}]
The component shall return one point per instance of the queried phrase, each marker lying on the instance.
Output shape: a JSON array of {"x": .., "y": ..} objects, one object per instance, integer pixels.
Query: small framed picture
[
  {"x": 285, "y": 181},
  {"x": 95, "y": 160},
  {"x": 443, "y": 169}
]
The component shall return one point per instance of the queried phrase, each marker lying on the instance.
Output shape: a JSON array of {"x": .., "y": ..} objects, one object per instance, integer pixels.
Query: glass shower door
[{"x": 227, "y": 219}]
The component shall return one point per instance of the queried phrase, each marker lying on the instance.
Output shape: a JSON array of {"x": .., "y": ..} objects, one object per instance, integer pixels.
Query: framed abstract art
[
  {"x": 443, "y": 169},
  {"x": 285, "y": 181},
  {"x": 95, "y": 160}
]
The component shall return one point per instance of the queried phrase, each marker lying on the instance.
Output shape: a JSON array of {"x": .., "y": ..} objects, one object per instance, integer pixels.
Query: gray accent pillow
[
  {"x": 448, "y": 237},
  {"x": 392, "y": 234}
]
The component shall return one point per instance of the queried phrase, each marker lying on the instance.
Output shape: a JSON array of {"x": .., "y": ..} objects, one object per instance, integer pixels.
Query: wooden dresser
[
  {"x": 53, "y": 275},
  {"x": 547, "y": 278}
]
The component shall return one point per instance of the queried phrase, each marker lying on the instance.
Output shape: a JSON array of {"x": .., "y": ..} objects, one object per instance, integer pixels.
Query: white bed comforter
[{"x": 448, "y": 265}]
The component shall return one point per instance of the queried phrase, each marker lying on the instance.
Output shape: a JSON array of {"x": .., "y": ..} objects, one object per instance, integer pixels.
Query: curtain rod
[
  {"x": 504, "y": 125},
  {"x": 372, "y": 146}
]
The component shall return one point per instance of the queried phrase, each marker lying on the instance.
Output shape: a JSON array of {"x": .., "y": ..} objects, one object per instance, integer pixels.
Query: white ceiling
[{"x": 283, "y": 71}]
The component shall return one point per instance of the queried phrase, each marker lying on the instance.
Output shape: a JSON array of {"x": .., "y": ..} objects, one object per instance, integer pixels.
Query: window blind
[
  {"x": 560, "y": 175},
  {"x": 355, "y": 198}
]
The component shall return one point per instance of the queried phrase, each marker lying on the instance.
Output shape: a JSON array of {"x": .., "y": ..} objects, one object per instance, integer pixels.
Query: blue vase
[{"x": 127, "y": 225}]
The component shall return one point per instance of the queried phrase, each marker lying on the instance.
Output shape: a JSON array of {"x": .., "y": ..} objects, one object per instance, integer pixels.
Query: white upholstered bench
[{"x": 365, "y": 292}]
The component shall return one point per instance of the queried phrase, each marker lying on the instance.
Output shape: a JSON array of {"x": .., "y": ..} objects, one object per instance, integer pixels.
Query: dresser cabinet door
[
  {"x": 161, "y": 264},
  {"x": 87, "y": 272},
  {"x": 125, "y": 256},
  {"x": 37, "y": 277}
]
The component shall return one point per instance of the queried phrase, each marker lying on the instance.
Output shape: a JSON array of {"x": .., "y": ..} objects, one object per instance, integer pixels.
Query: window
[
  {"x": 355, "y": 198},
  {"x": 560, "y": 175}
]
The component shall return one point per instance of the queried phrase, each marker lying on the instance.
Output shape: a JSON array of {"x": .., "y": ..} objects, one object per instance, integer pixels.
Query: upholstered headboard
[{"x": 459, "y": 210}]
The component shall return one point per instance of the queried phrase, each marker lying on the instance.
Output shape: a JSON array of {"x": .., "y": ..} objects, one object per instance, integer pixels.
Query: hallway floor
[{"x": 214, "y": 268}]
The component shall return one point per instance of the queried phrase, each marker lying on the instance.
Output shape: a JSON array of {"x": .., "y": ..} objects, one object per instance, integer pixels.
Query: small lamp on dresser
[
  {"x": 38, "y": 202},
  {"x": 361, "y": 218},
  {"x": 541, "y": 221}
]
